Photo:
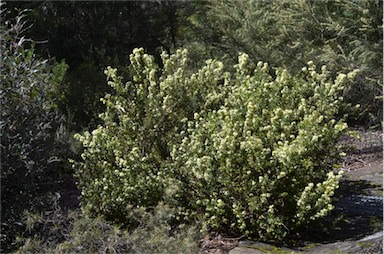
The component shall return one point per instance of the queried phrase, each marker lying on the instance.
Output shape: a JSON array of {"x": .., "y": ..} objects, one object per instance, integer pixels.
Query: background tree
[
  {"x": 344, "y": 35},
  {"x": 93, "y": 35}
]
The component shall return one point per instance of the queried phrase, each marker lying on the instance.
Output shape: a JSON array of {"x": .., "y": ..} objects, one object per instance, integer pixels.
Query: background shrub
[
  {"x": 246, "y": 151},
  {"x": 32, "y": 129}
]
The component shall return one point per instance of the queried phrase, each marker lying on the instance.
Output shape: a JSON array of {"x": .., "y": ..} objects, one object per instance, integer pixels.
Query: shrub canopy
[{"x": 248, "y": 151}]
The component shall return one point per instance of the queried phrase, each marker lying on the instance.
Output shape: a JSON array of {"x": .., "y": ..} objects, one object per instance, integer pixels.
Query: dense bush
[
  {"x": 123, "y": 159},
  {"x": 32, "y": 129},
  {"x": 245, "y": 151},
  {"x": 28, "y": 107},
  {"x": 259, "y": 164}
]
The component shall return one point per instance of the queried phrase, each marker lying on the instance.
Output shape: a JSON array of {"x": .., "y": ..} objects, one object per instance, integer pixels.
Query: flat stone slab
[
  {"x": 351, "y": 246},
  {"x": 375, "y": 242},
  {"x": 249, "y": 247},
  {"x": 372, "y": 173},
  {"x": 361, "y": 205}
]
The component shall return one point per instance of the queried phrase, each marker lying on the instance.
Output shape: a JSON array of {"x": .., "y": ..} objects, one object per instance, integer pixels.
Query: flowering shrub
[
  {"x": 246, "y": 151},
  {"x": 124, "y": 159},
  {"x": 259, "y": 163}
]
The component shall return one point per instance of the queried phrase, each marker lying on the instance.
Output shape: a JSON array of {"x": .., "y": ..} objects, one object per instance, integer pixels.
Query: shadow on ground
[
  {"x": 357, "y": 213},
  {"x": 24, "y": 196}
]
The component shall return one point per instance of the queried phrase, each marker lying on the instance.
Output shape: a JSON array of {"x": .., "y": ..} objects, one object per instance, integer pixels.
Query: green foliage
[
  {"x": 258, "y": 164},
  {"x": 123, "y": 160},
  {"x": 246, "y": 151},
  {"x": 83, "y": 107},
  {"x": 74, "y": 232},
  {"x": 32, "y": 129},
  {"x": 29, "y": 115},
  {"x": 117, "y": 28},
  {"x": 199, "y": 35},
  {"x": 344, "y": 35}
]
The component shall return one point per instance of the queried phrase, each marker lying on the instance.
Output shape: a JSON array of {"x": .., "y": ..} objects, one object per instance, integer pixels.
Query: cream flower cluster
[
  {"x": 259, "y": 150},
  {"x": 245, "y": 150}
]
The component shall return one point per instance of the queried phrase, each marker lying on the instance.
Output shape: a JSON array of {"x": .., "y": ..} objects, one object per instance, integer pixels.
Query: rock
[
  {"x": 360, "y": 205},
  {"x": 368, "y": 245},
  {"x": 249, "y": 247},
  {"x": 360, "y": 246},
  {"x": 373, "y": 173}
]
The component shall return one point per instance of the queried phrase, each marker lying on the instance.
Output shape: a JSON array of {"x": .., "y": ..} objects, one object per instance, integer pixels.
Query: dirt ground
[{"x": 363, "y": 150}]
